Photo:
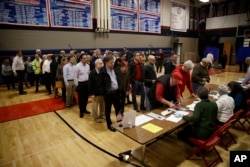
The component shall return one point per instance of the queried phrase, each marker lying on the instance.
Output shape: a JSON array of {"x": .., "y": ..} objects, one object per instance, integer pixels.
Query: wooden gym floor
[{"x": 45, "y": 140}]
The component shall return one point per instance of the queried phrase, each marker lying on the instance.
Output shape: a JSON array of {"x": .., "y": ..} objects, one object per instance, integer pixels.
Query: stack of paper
[{"x": 152, "y": 128}]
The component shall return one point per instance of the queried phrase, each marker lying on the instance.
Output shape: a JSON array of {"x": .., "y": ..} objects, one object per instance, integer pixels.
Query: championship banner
[
  {"x": 24, "y": 12},
  {"x": 124, "y": 20},
  {"x": 150, "y": 23},
  {"x": 151, "y": 6},
  {"x": 70, "y": 13},
  {"x": 130, "y": 4}
]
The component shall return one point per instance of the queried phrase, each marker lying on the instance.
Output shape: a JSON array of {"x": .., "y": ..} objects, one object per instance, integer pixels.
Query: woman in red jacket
[{"x": 182, "y": 72}]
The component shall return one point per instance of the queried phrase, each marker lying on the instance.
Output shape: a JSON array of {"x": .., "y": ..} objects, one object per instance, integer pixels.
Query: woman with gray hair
[
  {"x": 225, "y": 105},
  {"x": 182, "y": 72}
]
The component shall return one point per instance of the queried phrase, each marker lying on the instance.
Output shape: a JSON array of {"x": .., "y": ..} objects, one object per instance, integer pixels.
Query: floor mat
[{"x": 8, "y": 113}]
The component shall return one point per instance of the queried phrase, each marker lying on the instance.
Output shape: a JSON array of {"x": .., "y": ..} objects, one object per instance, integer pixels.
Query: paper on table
[
  {"x": 197, "y": 101},
  {"x": 246, "y": 86},
  {"x": 173, "y": 118},
  {"x": 141, "y": 119},
  {"x": 152, "y": 128},
  {"x": 216, "y": 97},
  {"x": 156, "y": 116},
  {"x": 182, "y": 112},
  {"x": 191, "y": 106}
]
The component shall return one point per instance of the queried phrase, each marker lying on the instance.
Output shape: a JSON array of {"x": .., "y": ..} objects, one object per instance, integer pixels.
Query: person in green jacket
[
  {"x": 37, "y": 70},
  {"x": 202, "y": 123}
]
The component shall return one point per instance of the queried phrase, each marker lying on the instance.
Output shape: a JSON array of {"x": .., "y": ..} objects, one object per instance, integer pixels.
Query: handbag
[{"x": 59, "y": 84}]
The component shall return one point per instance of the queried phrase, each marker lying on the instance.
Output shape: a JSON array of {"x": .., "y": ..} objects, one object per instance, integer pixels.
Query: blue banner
[
  {"x": 131, "y": 4},
  {"x": 24, "y": 12},
  {"x": 150, "y": 23},
  {"x": 124, "y": 20},
  {"x": 150, "y": 6},
  {"x": 70, "y": 13}
]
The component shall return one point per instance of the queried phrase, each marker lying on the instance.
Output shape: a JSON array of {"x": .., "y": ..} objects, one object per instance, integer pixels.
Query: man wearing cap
[
  {"x": 182, "y": 74},
  {"x": 164, "y": 92},
  {"x": 200, "y": 74}
]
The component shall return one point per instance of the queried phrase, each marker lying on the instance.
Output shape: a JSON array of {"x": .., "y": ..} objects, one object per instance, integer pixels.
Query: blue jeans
[
  {"x": 138, "y": 86},
  {"x": 196, "y": 86}
]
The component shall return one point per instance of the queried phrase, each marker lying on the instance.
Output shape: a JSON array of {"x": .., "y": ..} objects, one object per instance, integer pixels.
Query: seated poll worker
[
  {"x": 246, "y": 81},
  {"x": 165, "y": 91},
  {"x": 183, "y": 73},
  {"x": 237, "y": 93},
  {"x": 225, "y": 105},
  {"x": 203, "y": 121}
]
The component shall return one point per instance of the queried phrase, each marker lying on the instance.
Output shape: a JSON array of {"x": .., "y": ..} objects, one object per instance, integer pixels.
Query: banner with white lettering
[
  {"x": 70, "y": 13},
  {"x": 130, "y": 4},
  {"x": 124, "y": 20},
  {"x": 150, "y": 23},
  {"x": 151, "y": 6},
  {"x": 24, "y": 12},
  {"x": 136, "y": 15},
  {"x": 178, "y": 17}
]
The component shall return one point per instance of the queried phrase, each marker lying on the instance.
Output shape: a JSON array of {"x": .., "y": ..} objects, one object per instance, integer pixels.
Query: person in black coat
[
  {"x": 171, "y": 64},
  {"x": 149, "y": 77},
  {"x": 223, "y": 59},
  {"x": 136, "y": 81},
  {"x": 111, "y": 91},
  {"x": 124, "y": 87},
  {"x": 96, "y": 91},
  {"x": 53, "y": 69}
]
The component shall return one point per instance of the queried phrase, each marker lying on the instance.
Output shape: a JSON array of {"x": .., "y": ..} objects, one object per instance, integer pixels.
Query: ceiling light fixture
[{"x": 204, "y": 1}]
